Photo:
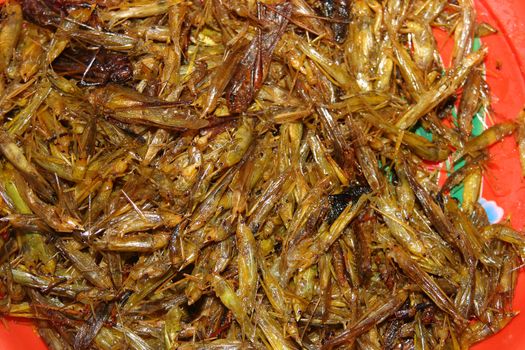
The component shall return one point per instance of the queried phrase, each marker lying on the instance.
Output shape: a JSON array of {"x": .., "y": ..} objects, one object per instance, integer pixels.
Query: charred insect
[
  {"x": 243, "y": 174},
  {"x": 94, "y": 67}
]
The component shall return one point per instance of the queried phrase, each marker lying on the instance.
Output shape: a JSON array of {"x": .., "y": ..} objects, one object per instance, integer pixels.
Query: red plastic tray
[{"x": 504, "y": 185}]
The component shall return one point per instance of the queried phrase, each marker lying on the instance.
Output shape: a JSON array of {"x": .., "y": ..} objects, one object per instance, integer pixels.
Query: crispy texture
[{"x": 225, "y": 174}]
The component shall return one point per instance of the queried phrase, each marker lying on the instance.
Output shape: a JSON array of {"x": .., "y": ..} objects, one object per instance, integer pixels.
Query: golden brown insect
[{"x": 243, "y": 174}]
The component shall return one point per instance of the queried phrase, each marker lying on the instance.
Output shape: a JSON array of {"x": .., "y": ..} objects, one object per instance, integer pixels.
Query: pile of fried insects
[{"x": 226, "y": 174}]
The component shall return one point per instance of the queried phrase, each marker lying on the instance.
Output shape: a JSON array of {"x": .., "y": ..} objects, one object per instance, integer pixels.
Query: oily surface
[{"x": 227, "y": 175}]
